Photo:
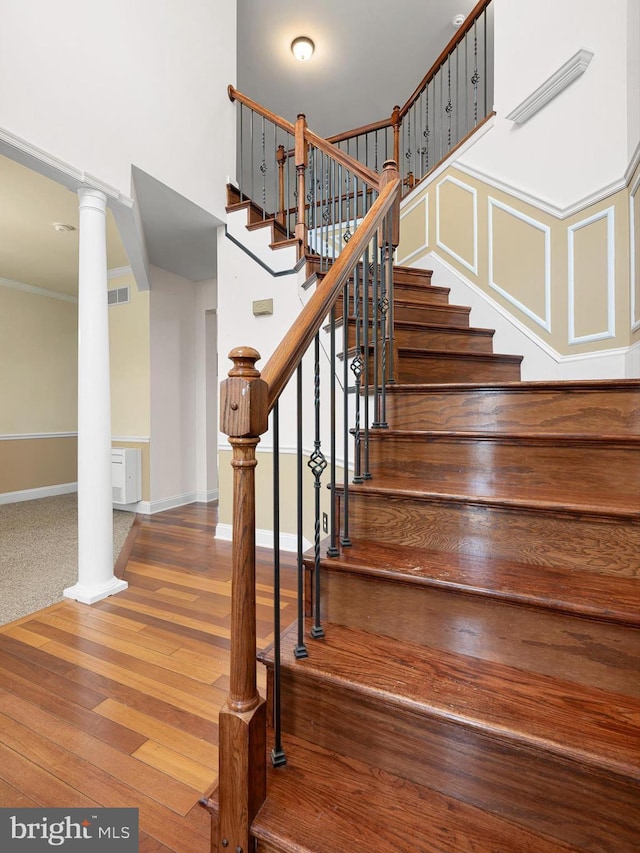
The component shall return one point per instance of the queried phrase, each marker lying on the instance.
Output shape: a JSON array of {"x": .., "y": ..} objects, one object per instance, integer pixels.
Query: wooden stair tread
[
  {"x": 410, "y": 352},
  {"x": 324, "y": 802},
  {"x": 582, "y": 385},
  {"x": 513, "y": 704},
  {"x": 558, "y": 498},
  {"x": 515, "y": 437},
  {"x": 605, "y": 597}
]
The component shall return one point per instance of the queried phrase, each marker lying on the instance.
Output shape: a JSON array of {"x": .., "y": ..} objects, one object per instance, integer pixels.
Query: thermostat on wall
[{"x": 262, "y": 307}]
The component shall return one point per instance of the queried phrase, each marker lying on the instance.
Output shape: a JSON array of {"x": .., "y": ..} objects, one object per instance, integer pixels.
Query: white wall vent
[
  {"x": 126, "y": 475},
  {"x": 118, "y": 295}
]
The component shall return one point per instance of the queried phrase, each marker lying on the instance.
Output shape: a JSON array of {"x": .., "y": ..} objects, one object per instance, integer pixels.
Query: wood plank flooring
[{"x": 116, "y": 704}]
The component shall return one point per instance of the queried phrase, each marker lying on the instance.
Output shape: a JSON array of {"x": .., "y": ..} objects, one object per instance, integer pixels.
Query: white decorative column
[{"x": 95, "y": 512}]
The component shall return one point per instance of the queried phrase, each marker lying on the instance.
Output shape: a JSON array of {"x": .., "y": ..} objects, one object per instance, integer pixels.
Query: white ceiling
[{"x": 348, "y": 81}]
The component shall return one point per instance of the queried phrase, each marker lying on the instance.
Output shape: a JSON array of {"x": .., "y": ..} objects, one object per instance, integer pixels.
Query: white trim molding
[
  {"x": 134, "y": 439},
  {"x": 544, "y": 322},
  {"x": 36, "y": 494},
  {"x": 207, "y": 497},
  {"x": 610, "y": 331},
  {"x": 25, "y": 436},
  {"x": 552, "y": 86},
  {"x": 118, "y": 272},
  {"x": 472, "y": 267},
  {"x": 424, "y": 200},
  {"x": 633, "y": 249},
  {"x": 264, "y": 538},
  {"x": 38, "y": 291}
]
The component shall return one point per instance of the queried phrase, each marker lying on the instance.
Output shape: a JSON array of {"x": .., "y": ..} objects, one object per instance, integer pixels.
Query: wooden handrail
[
  {"x": 367, "y": 175},
  {"x": 235, "y": 95},
  {"x": 359, "y": 131},
  {"x": 470, "y": 20},
  {"x": 282, "y": 364}
]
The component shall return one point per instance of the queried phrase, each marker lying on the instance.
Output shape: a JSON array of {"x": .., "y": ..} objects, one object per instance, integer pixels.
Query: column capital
[{"x": 93, "y": 198}]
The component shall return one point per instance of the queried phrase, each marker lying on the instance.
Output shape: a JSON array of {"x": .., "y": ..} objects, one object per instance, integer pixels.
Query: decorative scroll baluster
[
  {"x": 475, "y": 77},
  {"x": 300, "y": 650},
  {"x": 317, "y": 463},
  {"x": 449, "y": 108},
  {"x": 278, "y": 758},
  {"x": 242, "y": 721},
  {"x": 263, "y": 172},
  {"x": 356, "y": 369}
]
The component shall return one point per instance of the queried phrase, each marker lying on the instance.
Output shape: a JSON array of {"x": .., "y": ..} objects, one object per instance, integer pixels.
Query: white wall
[
  {"x": 206, "y": 402},
  {"x": 173, "y": 389},
  {"x": 579, "y": 143},
  {"x": 103, "y": 85},
  {"x": 633, "y": 64}
]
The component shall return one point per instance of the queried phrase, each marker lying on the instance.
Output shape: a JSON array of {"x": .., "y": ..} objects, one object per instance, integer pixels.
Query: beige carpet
[{"x": 39, "y": 552}]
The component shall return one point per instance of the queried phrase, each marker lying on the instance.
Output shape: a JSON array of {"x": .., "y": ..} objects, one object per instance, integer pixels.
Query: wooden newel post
[
  {"x": 396, "y": 123},
  {"x": 242, "y": 722},
  {"x": 390, "y": 173},
  {"x": 301, "y": 167}
]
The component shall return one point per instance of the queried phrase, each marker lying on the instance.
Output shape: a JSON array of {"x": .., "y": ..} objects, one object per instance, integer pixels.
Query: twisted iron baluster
[
  {"x": 278, "y": 758},
  {"x": 300, "y": 650},
  {"x": 356, "y": 369},
  {"x": 317, "y": 463}
]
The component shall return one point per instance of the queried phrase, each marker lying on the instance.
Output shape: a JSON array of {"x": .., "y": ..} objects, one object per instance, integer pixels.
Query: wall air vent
[{"x": 118, "y": 296}]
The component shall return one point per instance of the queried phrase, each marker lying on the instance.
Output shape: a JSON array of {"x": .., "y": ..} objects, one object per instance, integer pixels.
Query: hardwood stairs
[{"x": 477, "y": 688}]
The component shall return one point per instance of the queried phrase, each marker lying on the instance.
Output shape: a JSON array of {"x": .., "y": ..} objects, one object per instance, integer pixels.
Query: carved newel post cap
[
  {"x": 390, "y": 166},
  {"x": 244, "y": 362},
  {"x": 243, "y": 397}
]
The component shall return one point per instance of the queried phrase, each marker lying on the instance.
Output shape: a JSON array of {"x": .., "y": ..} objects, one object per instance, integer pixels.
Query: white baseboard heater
[{"x": 126, "y": 475}]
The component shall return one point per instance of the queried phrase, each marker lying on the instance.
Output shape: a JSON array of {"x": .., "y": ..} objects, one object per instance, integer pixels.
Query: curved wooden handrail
[
  {"x": 360, "y": 131},
  {"x": 471, "y": 18},
  {"x": 282, "y": 364},
  {"x": 235, "y": 95}
]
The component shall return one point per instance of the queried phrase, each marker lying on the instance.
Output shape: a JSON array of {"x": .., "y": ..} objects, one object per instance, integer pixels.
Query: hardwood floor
[{"x": 116, "y": 704}]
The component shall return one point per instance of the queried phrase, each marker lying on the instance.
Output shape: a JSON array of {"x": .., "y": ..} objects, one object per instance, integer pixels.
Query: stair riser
[
  {"x": 456, "y": 340},
  {"x": 439, "y": 368},
  {"x": 401, "y": 275},
  {"x": 439, "y": 314},
  {"x": 563, "y": 540},
  {"x": 489, "y": 771},
  {"x": 532, "y": 638},
  {"x": 539, "y": 470},
  {"x": 593, "y": 412}
]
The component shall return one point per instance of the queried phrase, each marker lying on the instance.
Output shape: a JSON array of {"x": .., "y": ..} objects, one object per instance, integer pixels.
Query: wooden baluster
[
  {"x": 301, "y": 167},
  {"x": 396, "y": 121},
  {"x": 242, "y": 722},
  {"x": 281, "y": 159}
]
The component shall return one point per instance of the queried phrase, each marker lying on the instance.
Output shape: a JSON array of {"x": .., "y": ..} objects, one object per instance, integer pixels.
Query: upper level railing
[
  {"x": 450, "y": 102},
  {"x": 314, "y": 191}
]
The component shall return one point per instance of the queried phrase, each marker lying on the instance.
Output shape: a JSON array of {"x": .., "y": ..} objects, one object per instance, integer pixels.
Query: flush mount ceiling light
[
  {"x": 458, "y": 20},
  {"x": 61, "y": 228},
  {"x": 302, "y": 48}
]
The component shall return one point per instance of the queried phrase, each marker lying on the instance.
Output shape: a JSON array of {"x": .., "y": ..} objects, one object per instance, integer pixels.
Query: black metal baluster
[
  {"x": 263, "y": 172},
  {"x": 251, "y": 150},
  {"x": 278, "y": 758},
  {"x": 389, "y": 257},
  {"x": 375, "y": 331},
  {"x": 368, "y": 277},
  {"x": 475, "y": 77},
  {"x": 300, "y": 650},
  {"x": 317, "y": 463},
  {"x": 449, "y": 108},
  {"x": 384, "y": 307},
  {"x": 485, "y": 80},
  {"x": 356, "y": 369},
  {"x": 344, "y": 540},
  {"x": 332, "y": 550}
]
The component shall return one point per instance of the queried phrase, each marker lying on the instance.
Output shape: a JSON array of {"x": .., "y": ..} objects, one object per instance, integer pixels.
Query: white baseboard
[
  {"x": 207, "y": 497},
  {"x": 264, "y": 538},
  {"x": 36, "y": 494},
  {"x": 151, "y": 507}
]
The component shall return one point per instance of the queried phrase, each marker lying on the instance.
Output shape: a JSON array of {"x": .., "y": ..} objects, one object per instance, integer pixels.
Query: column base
[{"x": 90, "y": 594}]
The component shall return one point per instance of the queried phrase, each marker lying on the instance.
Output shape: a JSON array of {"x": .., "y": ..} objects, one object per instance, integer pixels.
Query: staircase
[{"x": 477, "y": 688}]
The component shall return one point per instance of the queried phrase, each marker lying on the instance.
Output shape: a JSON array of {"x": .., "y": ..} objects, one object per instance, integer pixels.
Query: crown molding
[
  {"x": 37, "y": 291},
  {"x": 547, "y": 91},
  {"x": 118, "y": 272}
]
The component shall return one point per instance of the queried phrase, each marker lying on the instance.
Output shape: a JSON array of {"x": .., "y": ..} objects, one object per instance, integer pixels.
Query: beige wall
[
  {"x": 38, "y": 384},
  {"x": 36, "y": 463},
  {"x": 568, "y": 280},
  {"x": 38, "y": 363},
  {"x": 129, "y": 357}
]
